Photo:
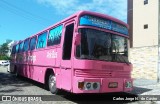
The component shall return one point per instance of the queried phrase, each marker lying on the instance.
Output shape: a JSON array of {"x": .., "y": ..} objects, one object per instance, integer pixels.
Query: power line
[
  {"x": 16, "y": 13},
  {"x": 24, "y": 11},
  {"x": 20, "y": 9}
]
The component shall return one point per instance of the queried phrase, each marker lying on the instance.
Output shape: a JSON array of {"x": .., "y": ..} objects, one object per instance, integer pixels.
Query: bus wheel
[{"x": 52, "y": 84}]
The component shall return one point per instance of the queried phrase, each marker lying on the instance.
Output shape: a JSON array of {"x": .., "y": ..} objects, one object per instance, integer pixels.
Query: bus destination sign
[{"x": 103, "y": 23}]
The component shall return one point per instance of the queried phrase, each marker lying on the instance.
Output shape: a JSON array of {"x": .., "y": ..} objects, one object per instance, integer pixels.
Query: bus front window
[{"x": 99, "y": 45}]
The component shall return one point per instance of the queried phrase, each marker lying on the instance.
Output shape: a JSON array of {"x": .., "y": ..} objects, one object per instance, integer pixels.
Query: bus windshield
[{"x": 99, "y": 45}]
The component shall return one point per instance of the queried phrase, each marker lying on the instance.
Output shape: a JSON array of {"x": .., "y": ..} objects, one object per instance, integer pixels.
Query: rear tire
[{"x": 52, "y": 84}]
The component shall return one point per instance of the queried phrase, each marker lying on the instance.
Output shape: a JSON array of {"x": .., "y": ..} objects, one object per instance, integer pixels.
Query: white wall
[{"x": 145, "y": 14}]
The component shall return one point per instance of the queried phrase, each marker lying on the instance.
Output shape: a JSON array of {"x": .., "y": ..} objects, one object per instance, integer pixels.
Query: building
[
  {"x": 10, "y": 45},
  {"x": 143, "y": 19}
]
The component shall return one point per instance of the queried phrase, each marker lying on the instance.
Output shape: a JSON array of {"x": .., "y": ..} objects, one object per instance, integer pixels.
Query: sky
[{"x": 20, "y": 19}]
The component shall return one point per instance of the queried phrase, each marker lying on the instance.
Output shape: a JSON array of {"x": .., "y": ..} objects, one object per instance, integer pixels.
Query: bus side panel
[
  {"x": 21, "y": 64},
  {"x": 58, "y": 78},
  {"x": 37, "y": 73},
  {"x": 39, "y": 61},
  {"x": 43, "y": 58},
  {"x": 24, "y": 63},
  {"x": 30, "y": 71},
  {"x": 24, "y": 68},
  {"x": 66, "y": 78},
  {"x": 58, "y": 57},
  {"x": 58, "y": 70}
]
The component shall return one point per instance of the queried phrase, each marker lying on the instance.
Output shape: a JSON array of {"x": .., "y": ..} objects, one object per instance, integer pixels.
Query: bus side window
[
  {"x": 54, "y": 36},
  {"x": 33, "y": 43},
  {"x": 67, "y": 45},
  {"x": 21, "y": 47},
  {"x": 26, "y": 45},
  {"x": 42, "y": 40},
  {"x": 17, "y": 47}
]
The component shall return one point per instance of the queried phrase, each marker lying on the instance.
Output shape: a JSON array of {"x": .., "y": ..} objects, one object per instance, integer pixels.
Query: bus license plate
[{"x": 113, "y": 85}]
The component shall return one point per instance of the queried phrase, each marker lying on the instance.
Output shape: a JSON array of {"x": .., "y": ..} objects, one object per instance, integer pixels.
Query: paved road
[{"x": 10, "y": 85}]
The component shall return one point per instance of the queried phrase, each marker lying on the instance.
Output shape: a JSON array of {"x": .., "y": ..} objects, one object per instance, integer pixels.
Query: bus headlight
[
  {"x": 95, "y": 85},
  {"x": 89, "y": 85}
]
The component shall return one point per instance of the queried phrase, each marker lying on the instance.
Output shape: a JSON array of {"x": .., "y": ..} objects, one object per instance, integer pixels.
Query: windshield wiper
[
  {"x": 116, "y": 57},
  {"x": 123, "y": 59}
]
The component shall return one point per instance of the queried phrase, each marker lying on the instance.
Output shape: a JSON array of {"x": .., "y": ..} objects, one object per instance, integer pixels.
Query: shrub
[{"x": 4, "y": 57}]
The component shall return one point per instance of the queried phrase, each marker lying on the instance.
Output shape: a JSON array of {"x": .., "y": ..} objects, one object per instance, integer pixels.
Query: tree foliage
[
  {"x": 4, "y": 49},
  {"x": 4, "y": 57}
]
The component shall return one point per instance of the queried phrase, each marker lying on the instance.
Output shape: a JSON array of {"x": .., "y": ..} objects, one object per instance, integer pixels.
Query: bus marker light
[{"x": 113, "y": 85}]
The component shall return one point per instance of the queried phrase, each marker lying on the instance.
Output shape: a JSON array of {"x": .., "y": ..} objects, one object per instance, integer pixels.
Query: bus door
[{"x": 66, "y": 61}]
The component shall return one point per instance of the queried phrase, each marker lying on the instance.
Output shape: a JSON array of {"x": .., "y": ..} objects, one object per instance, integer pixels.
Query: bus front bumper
[{"x": 102, "y": 85}]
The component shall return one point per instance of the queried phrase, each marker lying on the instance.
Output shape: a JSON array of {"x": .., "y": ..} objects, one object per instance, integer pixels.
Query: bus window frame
[
  {"x": 49, "y": 30},
  {"x": 63, "y": 29},
  {"x": 28, "y": 45},
  {"x": 35, "y": 36},
  {"x": 20, "y": 50},
  {"x": 41, "y": 33},
  {"x": 16, "y": 50}
]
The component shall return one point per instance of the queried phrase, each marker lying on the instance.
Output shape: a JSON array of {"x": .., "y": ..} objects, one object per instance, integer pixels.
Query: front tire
[{"x": 52, "y": 84}]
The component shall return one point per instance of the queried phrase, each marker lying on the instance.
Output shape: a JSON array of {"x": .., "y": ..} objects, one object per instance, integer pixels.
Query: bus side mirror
[{"x": 77, "y": 39}]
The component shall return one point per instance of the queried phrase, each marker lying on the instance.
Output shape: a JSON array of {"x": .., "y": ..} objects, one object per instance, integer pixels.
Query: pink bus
[{"x": 85, "y": 53}]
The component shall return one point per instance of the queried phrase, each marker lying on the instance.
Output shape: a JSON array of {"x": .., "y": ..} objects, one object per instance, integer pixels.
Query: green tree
[{"x": 4, "y": 49}]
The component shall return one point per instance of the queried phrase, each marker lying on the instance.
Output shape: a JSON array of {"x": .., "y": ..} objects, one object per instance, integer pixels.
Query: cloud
[{"x": 116, "y": 8}]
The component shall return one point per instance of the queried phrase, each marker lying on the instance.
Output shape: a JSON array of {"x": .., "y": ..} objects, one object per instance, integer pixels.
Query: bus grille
[{"x": 102, "y": 74}]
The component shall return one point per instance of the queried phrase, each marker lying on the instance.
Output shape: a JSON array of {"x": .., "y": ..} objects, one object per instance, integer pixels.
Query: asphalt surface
[{"x": 13, "y": 86}]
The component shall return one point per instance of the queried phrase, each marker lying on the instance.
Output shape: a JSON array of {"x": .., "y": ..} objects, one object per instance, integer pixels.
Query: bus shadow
[
  {"x": 8, "y": 79},
  {"x": 111, "y": 98},
  {"x": 31, "y": 82},
  {"x": 15, "y": 84},
  {"x": 9, "y": 83}
]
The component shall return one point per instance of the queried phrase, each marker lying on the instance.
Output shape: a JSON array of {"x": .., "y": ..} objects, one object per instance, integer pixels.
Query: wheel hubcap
[{"x": 52, "y": 82}]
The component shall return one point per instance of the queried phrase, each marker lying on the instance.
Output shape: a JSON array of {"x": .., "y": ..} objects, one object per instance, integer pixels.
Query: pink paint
[{"x": 34, "y": 64}]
